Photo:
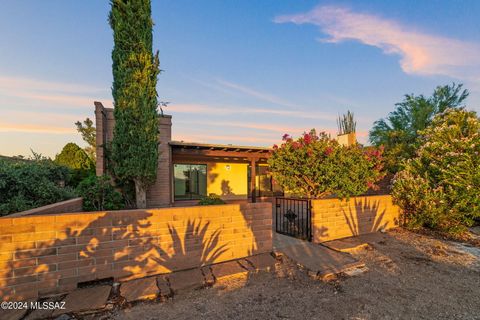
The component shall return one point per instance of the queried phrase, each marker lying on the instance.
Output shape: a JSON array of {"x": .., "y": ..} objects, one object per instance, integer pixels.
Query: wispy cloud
[
  {"x": 229, "y": 110},
  {"x": 257, "y": 94},
  {"x": 269, "y": 127},
  {"x": 35, "y": 128},
  {"x": 421, "y": 53},
  {"x": 55, "y": 93},
  {"x": 36, "y": 108},
  {"x": 22, "y": 83}
]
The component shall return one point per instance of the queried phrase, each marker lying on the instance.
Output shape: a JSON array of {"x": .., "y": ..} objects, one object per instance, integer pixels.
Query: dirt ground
[{"x": 410, "y": 276}]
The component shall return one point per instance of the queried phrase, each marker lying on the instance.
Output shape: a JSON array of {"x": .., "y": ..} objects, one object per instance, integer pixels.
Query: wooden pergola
[{"x": 218, "y": 152}]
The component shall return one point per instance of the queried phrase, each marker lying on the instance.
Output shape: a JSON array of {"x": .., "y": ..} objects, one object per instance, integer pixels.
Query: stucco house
[{"x": 188, "y": 171}]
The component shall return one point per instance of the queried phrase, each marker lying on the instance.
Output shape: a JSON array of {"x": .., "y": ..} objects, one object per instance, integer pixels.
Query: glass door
[
  {"x": 190, "y": 181},
  {"x": 264, "y": 185}
]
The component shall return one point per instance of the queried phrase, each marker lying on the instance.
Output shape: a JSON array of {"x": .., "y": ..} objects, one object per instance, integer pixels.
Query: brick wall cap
[{"x": 47, "y": 207}]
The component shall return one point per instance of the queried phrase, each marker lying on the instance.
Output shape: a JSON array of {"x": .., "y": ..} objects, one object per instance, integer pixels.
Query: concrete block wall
[
  {"x": 72, "y": 205},
  {"x": 159, "y": 194},
  {"x": 334, "y": 219},
  {"x": 47, "y": 254}
]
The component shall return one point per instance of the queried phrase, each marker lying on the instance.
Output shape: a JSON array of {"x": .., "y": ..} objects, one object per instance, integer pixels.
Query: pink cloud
[
  {"x": 15, "y": 127},
  {"x": 34, "y": 91},
  {"x": 421, "y": 53}
]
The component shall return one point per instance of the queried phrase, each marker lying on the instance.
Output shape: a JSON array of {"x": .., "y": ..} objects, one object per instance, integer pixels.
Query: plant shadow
[{"x": 122, "y": 245}]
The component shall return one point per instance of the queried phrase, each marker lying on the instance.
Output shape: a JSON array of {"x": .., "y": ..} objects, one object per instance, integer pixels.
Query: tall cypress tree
[{"x": 135, "y": 69}]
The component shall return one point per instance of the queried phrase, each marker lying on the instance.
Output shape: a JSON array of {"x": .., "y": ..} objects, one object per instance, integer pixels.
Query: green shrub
[
  {"x": 315, "y": 166},
  {"x": 98, "y": 194},
  {"x": 438, "y": 188},
  {"x": 399, "y": 132},
  {"x": 80, "y": 164},
  {"x": 211, "y": 199},
  {"x": 27, "y": 184}
]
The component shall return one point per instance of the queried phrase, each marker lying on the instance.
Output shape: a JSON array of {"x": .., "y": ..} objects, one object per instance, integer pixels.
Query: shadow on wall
[
  {"x": 365, "y": 218},
  {"x": 226, "y": 189},
  {"x": 52, "y": 254},
  {"x": 195, "y": 249}
]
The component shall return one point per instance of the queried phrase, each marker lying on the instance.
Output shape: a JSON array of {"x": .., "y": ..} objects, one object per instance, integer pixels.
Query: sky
[{"x": 234, "y": 72}]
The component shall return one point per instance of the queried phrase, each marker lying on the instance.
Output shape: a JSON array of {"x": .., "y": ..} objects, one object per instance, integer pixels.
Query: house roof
[
  {"x": 222, "y": 147},
  {"x": 205, "y": 151}
]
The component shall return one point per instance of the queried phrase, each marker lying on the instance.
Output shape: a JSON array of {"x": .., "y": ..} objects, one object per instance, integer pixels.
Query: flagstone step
[
  {"x": 140, "y": 289},
  {"x": 86, "y": 299}
]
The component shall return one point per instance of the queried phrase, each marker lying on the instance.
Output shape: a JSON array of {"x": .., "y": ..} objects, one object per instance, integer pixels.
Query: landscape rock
[
  {"x": 16, "y": 314},
  {"x": 140, "y": 289},
  {"x": 226, "y": 270},
  {"x": 163, "y": 287},
  {"x": 38, "y": 314},
  {"x": 187, "y": 279},
  {"x": 86, "y": 299},
  {"x": 208, "y": 276}
]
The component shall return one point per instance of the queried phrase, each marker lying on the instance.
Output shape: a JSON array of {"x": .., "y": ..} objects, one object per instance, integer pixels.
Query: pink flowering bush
[
  {"x": 315, "y": 166},
  {"x": 439, "y": 187}
]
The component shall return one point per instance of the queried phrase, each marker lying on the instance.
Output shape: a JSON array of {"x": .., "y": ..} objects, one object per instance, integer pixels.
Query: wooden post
[{"x": 253, "y": 176}]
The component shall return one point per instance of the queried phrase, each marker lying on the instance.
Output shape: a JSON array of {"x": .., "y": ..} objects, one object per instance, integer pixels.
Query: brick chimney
[{"x": 160, "y": 193}]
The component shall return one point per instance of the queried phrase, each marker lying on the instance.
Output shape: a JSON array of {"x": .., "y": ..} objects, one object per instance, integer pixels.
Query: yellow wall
[
  {"x": 334, "y": 219},
  {"x": 190, "y": 238},
  {"x": 229, "y": 183},
  {"x": 347, "y": 139}
]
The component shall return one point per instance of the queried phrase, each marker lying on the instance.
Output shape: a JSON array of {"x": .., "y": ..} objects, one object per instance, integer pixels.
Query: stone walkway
[
  {"x": 102, "y": 298},
  {"x": 320, "y": 261}
]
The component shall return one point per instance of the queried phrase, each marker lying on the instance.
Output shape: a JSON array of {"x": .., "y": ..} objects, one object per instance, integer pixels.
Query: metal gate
[{"x": 293, "y": 217}]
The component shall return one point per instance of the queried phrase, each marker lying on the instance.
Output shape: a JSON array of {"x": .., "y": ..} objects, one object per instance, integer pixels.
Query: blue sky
[{"x": 241, "y": 72}]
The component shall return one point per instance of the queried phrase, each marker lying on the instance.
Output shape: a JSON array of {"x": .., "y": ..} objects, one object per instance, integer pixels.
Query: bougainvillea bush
[
  {"x": 439, "y": 188},
  {"x": 315, "y": 165}
]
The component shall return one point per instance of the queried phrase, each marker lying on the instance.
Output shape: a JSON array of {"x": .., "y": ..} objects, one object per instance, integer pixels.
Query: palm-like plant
[{"x": 346, "y": 123}]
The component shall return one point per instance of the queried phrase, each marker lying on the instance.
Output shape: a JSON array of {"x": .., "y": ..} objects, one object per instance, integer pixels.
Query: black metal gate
[{"x": 293, "y": 217}]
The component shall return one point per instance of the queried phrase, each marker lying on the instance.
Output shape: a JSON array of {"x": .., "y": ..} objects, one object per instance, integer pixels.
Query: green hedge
[
  {"x": 98, "y": 194},
  {"x": 27, "y": 184}
]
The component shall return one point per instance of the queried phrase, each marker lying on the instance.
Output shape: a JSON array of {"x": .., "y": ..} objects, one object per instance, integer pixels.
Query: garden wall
[
  {"x": 72, "y": 205},
  {"x": 335, "y": 219},
  {"x": 46, "y": 254}
]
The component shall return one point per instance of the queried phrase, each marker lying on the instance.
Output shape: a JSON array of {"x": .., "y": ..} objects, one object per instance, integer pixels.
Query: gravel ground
[{"x": 411, "y": 276}]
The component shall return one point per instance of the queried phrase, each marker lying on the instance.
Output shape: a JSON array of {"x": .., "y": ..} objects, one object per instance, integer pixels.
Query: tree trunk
[{"x": 140, "y": 195}]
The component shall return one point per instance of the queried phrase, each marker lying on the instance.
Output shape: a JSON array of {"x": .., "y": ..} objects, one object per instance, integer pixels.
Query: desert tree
[
  {"x": 399, "y": 131},
  {"x": 135, "y": 69},
  {"x": 88, "y": 132}
]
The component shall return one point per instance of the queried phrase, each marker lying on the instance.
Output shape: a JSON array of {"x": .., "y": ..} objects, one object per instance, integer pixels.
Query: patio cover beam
[{"x": 219, "y": 153}]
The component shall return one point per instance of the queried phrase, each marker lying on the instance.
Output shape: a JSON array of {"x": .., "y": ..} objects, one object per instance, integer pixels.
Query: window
[
  {"x": 190, "y": 181},
  {"x": 264, "y": 185}
]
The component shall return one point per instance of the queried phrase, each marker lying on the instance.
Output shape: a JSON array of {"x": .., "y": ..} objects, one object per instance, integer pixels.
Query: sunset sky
[{"x": 239, "y": 72}]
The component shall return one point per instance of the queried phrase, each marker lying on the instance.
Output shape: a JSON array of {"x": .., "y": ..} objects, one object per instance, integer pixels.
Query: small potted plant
[{"x": 346, "y": 129}]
